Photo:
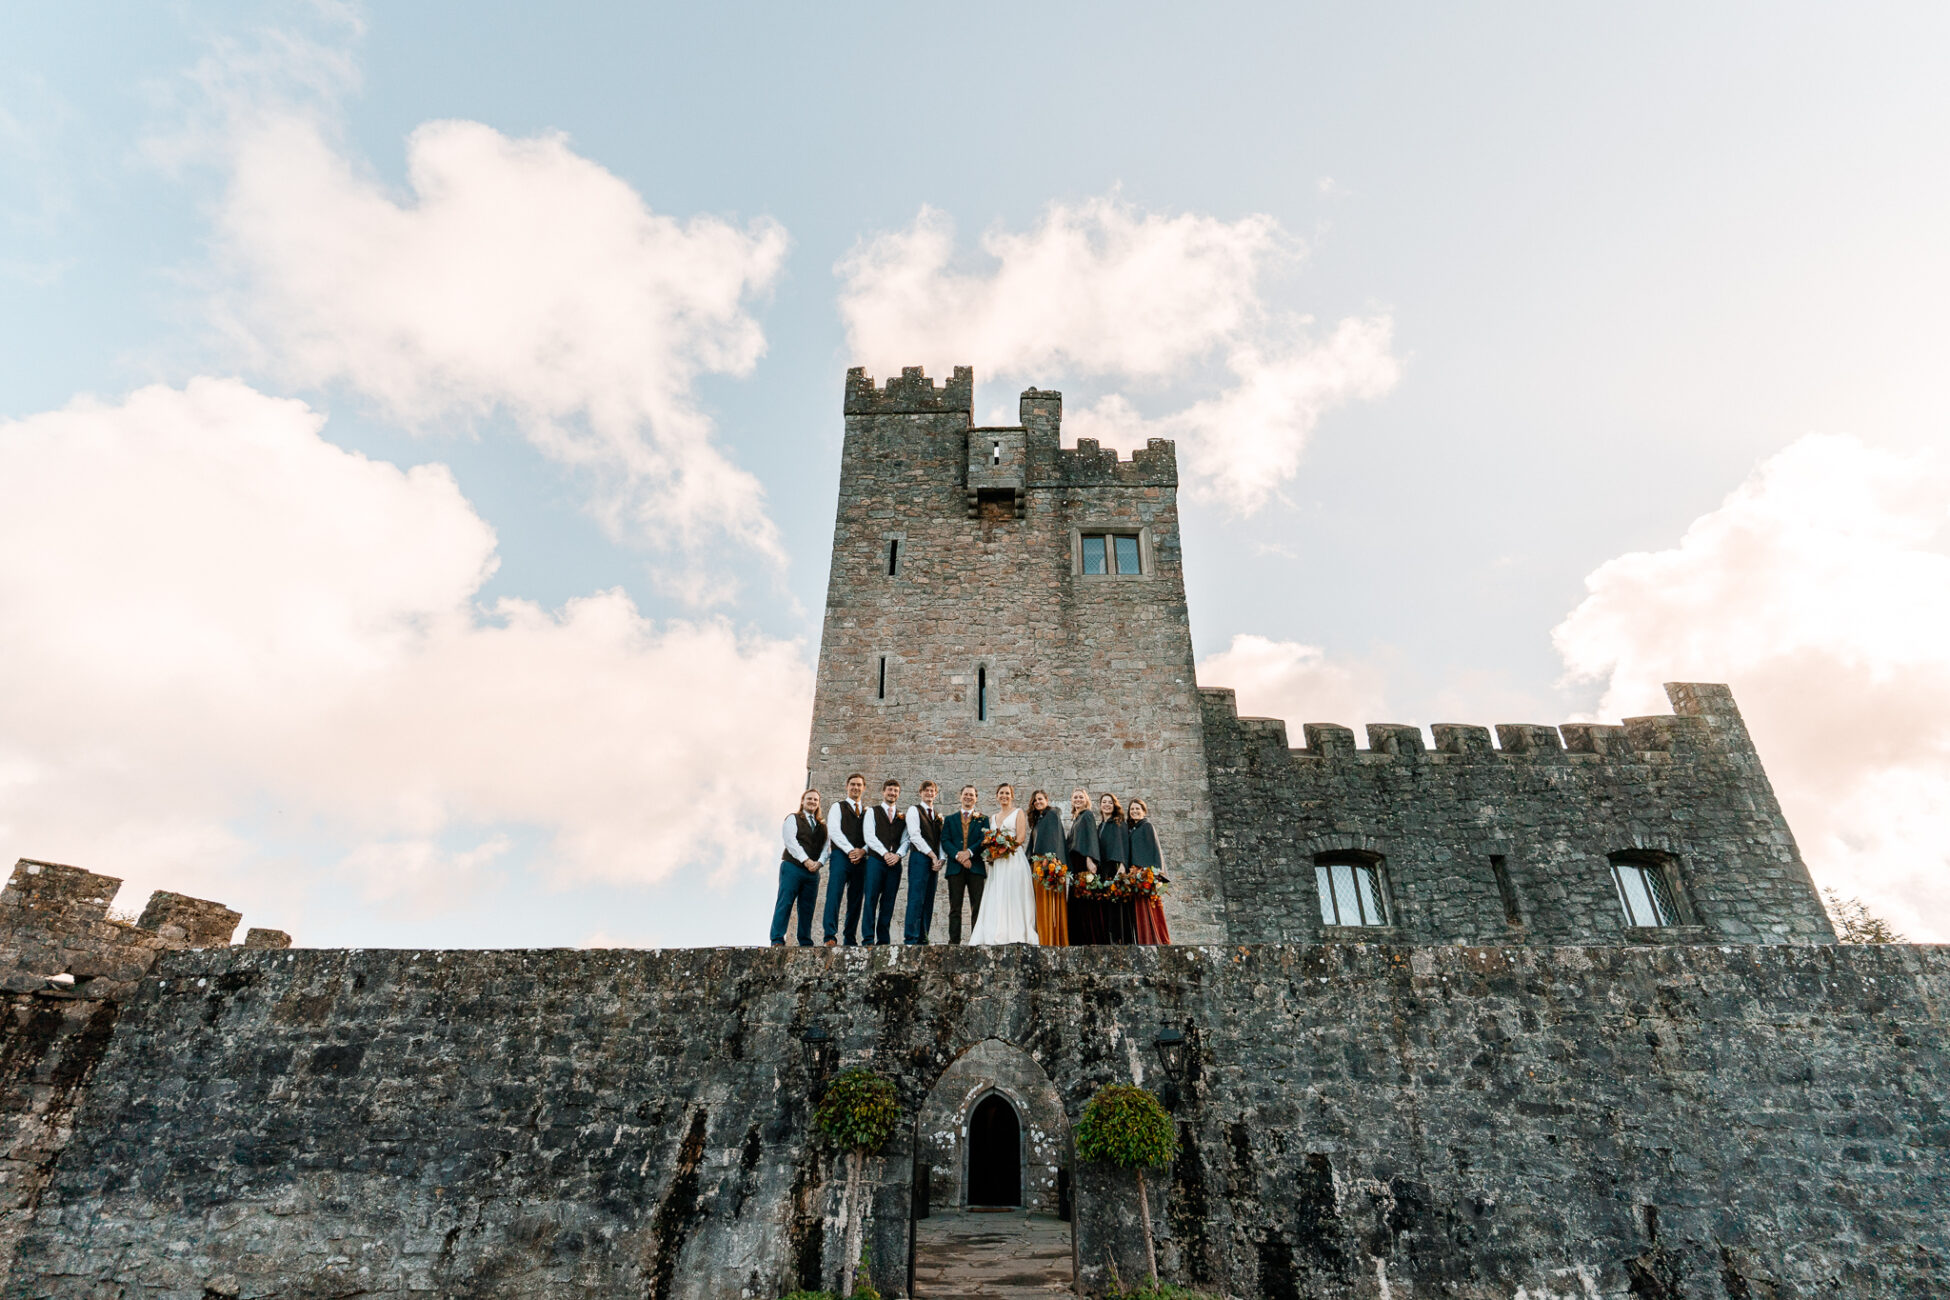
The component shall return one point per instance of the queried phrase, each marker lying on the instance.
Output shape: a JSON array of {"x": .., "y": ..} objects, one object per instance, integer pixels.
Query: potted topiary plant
[
  {"x": 857, "y": 1114},
  {"x": 1126, "y": 1127}
]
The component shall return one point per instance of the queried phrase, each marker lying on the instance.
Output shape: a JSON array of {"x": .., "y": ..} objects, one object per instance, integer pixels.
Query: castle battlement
[
  {"x": 1089, "y": 465},
  {"x": 1688, "y": 730},
  {"x": 57, "y": 923},
  {"x": 913, "y": 393}
]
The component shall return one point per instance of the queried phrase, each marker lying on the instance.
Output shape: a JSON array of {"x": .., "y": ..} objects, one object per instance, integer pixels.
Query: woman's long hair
[
  {"x": 1035, "y": 813},
  {"x": 1116, "y": 808},
  {"x": 819, "y": 813}
]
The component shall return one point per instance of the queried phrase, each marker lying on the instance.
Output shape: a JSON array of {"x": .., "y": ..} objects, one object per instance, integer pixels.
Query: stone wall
[
  {"x": 1090, "y": 677},
  {"x": 64, "y": 965},
  {"x": 1719, "y": 1123},
  {"x": 1687, "y": 787}
]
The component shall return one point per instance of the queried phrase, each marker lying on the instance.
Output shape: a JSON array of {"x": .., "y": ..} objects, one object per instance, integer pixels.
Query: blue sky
[{"x": 1617, "y": 270}]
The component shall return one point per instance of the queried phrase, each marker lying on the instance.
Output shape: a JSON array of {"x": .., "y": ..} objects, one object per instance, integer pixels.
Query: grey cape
[{"x": 1083, "y": 840}]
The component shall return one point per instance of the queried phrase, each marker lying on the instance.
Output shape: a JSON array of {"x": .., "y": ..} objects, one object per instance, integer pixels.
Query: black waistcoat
[
  {"x": 931, "y": 831},
  {"x": 853, "y": 825},
  {"x": 812, "y": 838},
  {"x": 886, "y": 829}
]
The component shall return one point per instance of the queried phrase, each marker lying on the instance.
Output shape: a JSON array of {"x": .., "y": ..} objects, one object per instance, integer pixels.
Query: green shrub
[
  {"x": 859, "y": 1111},
  {"x": 1126, "y": 1126},
  {"x": 1155, "y": 1290}
]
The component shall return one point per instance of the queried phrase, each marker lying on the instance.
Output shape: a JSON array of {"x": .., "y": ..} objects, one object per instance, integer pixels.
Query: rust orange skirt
[
  {"x": 1151, "y": 922},
  {"x": 1052, "y": 917}
]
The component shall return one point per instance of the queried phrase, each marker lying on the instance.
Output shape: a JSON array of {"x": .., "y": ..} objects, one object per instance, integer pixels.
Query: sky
[{"x": 420, "y": 425}]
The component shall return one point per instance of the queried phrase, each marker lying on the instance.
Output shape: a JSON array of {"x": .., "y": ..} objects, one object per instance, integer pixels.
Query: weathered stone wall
[
  {"x": 64, "y": 965},
  {"x": 1709, "y": 1122},
  {"x": 1688, "y": 785},
  {"x": 1090, "y": 677},
  {"x": 50, "y": 1043}
]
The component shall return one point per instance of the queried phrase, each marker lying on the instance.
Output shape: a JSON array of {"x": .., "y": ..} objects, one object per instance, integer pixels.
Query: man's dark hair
[
  {"x": 861, "y": 777},
  {"x": 890, "y": 784},
  {"x": 965, "y": 789}
]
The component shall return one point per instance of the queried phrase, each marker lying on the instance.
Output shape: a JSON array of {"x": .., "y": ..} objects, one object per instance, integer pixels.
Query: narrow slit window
[
  {"x": 893, "y": 556},
  {"x": 882, "y": 688},
  {"x": 1644, "y": 893},
  {"x": 982, "y": 694},
  {"x": 1350, "y": 893},
  {"x": 1500, "y": 868},
  {"x": 995, "y": 451}
]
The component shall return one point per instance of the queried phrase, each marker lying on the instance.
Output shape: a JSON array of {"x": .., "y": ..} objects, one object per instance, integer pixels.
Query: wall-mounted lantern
[
  {"x": 820, "y": 1049},
  {"x": 1171, "y": 1044}
]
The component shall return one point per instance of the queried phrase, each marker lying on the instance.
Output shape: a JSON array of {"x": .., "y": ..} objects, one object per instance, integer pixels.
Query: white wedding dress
[{"x": 1009, "y": 900}]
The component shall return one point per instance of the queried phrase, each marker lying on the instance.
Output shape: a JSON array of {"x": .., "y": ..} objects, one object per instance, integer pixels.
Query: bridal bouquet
[
  {"x": 1143, "y": 882},
  {"x": 1050, "y": 871},
  {"x": 999, "y": 844}
]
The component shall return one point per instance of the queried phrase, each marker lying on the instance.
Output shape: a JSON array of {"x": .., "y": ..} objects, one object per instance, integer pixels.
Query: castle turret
[{"x": 1003, "y": 609}]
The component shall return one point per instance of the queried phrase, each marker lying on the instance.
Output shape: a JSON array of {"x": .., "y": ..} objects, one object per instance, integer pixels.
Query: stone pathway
[{"x": 992, "y": 1256}]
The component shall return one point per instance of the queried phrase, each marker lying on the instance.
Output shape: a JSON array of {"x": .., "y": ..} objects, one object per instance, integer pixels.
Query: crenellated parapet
[
  {"x": 57, "y": 937},
  {"x": 1692, "y": 729},
  {"x": 1511, "y": 833},
  {"x": 911, "y": 393},
  {"x": 1154, "y": 465}
]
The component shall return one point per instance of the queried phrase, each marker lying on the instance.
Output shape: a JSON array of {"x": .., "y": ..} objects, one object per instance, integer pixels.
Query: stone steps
[{"x": 961, "y": 1256}]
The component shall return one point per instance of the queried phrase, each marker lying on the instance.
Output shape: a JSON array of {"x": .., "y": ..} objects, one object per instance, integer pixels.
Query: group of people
[{"x": 1024, "y": 876}]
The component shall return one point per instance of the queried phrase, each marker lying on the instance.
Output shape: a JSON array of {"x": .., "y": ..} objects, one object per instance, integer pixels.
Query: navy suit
[
  {"x": 920, "y": 879},
  {"x": 964, "y": 881}
]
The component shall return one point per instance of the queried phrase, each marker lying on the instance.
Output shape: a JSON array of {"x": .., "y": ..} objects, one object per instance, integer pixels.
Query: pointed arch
[{"x": 994, "y": 1068}]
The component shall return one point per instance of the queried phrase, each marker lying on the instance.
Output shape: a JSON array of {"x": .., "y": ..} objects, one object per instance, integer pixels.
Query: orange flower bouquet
[{"x": 1051, "y": 871}]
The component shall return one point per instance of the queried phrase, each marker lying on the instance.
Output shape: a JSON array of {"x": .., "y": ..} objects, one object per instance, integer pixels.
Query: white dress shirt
[
  {"x": 793, "y": 848},
  {"x": 833, "y": 825},
  {"x": 873, "y": 836},
  {"x": 915, "y": 840}
]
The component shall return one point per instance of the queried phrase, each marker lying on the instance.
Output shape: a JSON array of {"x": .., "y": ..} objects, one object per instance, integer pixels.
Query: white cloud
[
  {"x": 1100, "y": 289},
  {"x": 1820, "y": 589},
  {"x": 512, "y": 274},
  {"x": 214, "y": 614},
  {"x": 1296, "y": 683}
]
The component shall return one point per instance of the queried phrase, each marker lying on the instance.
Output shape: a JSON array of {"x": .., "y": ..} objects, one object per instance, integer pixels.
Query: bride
[{"x": 1009, "y": 903}]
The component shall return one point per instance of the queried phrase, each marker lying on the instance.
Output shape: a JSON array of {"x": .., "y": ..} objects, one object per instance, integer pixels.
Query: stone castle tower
[{"x": 1001, "y": 608}]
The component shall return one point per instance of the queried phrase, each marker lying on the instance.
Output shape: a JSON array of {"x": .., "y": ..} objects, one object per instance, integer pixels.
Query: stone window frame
[
  {"x": 982, "y": 686},
  {"x": 1147, "y": 561},
  {"x": 900, "y": 556},
  {"x": 1662, "y": 866}
]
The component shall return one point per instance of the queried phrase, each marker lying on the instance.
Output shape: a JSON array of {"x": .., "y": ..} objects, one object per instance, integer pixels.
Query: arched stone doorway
[
  {"x": 996, "y": 1144},
  {"x": 993, "y": 1154},
  {"x": 945, "y": 1126}
]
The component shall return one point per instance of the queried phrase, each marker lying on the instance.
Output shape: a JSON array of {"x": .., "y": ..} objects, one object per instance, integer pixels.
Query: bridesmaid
[
  {"x": 1046, "y": 839},
  {"x": 1086, "y": 915},
  {"x": 1145, "y": 853},
  {"x": 1120, "y": 917}
]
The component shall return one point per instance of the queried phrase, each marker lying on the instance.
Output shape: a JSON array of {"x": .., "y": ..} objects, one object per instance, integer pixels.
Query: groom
[{"x": 961, "y": 844}]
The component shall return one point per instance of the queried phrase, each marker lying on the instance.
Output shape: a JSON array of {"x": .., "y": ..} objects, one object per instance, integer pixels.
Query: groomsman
[
  {"x": 967, "y": 872},
  {"x": 846, "y": 827},
  {"x": 886, "y": 847},
  {"x": 924, "y": 863},
  {"x": 803, "y": 841}
]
